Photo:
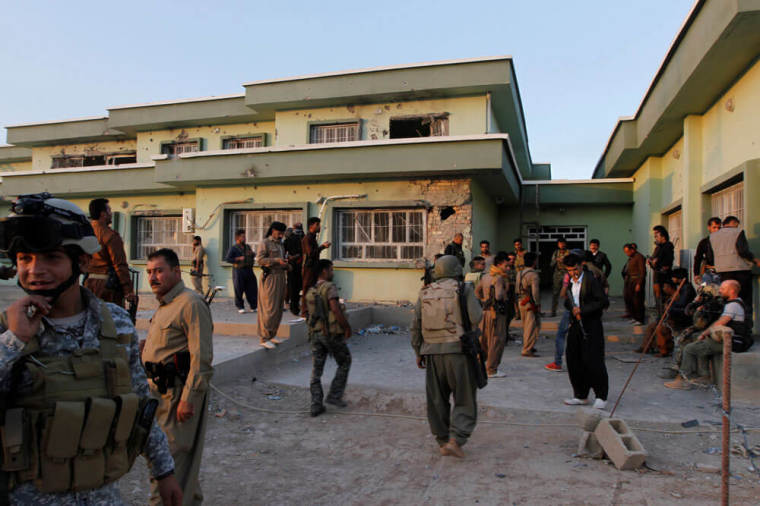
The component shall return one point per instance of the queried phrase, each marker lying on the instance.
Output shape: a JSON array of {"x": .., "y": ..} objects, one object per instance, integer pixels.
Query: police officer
[
  {"x": 70, "y": 374},
  {"x": 436, "y": 331},
  {"x": 328, "y": 331},
  {"x": 177, "y": 356}
]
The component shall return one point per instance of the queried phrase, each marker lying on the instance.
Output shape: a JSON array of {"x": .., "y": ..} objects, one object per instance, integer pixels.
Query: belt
[{"x": 95, "y": 275}]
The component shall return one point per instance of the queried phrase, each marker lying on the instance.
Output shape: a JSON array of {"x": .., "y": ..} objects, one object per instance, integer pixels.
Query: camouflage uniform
[
  {"x": 557, "y": 263},
  {"x": 63, "y": 341},
  {"x": 324, "y": 343}
]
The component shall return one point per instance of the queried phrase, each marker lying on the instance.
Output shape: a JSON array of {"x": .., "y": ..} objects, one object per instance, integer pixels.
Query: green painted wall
[{"x": 485, "y": 219}]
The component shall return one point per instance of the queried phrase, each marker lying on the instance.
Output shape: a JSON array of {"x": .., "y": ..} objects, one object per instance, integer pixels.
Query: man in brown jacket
[
  {"x": 108, "y": 272},
  {"x": 311, "y": 250},
  {"x": 529, "y": 301},
  {"x": 634, "y": 283}
]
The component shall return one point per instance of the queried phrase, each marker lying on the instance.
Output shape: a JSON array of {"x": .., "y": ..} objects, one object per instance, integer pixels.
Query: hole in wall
[{"x": 446, "y": 212}]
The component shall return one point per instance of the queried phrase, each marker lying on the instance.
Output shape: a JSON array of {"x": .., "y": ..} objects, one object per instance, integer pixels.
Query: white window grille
[
  {"x": 156, "y": 232},
  {"x": 674, "y": 231},
  {"x": 176, "y": 148},
  {"x": 575, "y": 235},
  {"x": 256, "y": 223},
  {"x": 243, "y": 142},
  {"x": 337, "y": 132},
  {"x": 378, "y": 235},
  {"x": 729, "y": 202}
]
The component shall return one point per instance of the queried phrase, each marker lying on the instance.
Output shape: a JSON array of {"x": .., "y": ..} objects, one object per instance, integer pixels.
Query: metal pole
[
  {"x": 648, "y": 344},
  {"x": 726, "y": 451}
]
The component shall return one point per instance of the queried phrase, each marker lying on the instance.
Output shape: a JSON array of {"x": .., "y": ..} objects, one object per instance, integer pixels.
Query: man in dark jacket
[
  {"x": 455, "y": 248},
  {"x": 634, "y": 283},
  {"x": 599, "y": 258},
  {"x": 661, "y": 262},
  {"x": 294, "y": 250},
  {"x": 703, "y": 257},
  {"x": 585, "y": 341}
]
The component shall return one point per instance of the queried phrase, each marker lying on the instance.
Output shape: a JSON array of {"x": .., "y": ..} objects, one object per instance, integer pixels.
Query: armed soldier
[
  {"x": 75, "y": 398},
  {"x": 108, "y": 272},
  {"x": 328, "y": 331},
  {"x": 177, "y": 356},
  {"x": 440, "y": 330},
  {"x": 529, "y": 302},
  {"x": 558, "y": 272}
]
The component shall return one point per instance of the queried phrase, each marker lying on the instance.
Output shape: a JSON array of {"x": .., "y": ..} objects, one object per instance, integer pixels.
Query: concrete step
[{"x": 745, "y": 375}]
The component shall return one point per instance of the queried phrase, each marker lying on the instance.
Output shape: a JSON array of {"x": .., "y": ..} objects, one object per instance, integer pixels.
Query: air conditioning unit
[{"x": 188, "y": 220}]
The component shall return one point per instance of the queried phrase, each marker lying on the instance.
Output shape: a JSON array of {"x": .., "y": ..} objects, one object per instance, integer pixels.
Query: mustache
[{"x": 155, "y": 283}]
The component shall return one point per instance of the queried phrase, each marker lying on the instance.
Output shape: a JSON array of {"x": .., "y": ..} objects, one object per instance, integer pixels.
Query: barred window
[
  {"x": 377, "y": 235},
  {"x": 729, "y": 202},
  {"x": 256, "y": 223},
  {"x": 156, "y": 232},
  {"x": 336, "y": 132},
  {"x": 176, "y": 148},
  {"x": 252, "y": 141}
]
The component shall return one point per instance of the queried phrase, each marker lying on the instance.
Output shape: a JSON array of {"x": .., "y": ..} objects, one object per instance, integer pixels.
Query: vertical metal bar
[{"x": 726, "y": 451}]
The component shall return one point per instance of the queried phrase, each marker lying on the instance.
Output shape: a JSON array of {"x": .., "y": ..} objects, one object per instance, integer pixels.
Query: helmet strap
[{"x": 56, "y": 292}]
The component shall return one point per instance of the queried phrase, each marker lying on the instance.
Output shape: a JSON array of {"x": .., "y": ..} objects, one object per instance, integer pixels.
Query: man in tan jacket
[
  {"x": 530, "y": 304},
  {"x": 492, "y": 291},
  {"x": 177, "y": 356}
]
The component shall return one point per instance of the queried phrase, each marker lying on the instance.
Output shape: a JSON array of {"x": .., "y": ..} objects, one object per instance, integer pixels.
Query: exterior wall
[
  {"x": 485, "y": 219},
  {"x": 467, "y": 115},
  {"x": 42, "y": 157},
  {"x": 15, "y": 166},
  {"x": 672, "y": 173},
  {"x": 149, "y": 143}
]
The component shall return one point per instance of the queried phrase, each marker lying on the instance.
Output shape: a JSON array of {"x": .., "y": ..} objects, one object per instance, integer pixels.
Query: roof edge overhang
[
  {"x": 10, "y": 154},
  {"x": 63, "y": 132}
]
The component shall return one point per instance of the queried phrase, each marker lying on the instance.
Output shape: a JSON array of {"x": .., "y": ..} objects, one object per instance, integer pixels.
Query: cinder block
[
  {"x": 620, "y": 444},
  {"x": 589, "y": 446},
  {"x": 588, "y": 418}
]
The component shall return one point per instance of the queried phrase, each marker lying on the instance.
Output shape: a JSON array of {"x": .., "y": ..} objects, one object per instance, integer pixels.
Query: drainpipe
[
  {"x": 325, "y": 200},
  {"x": 488, "y": 112}
]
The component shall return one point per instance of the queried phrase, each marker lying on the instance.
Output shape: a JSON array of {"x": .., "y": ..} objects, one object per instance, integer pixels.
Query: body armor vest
[
  {"x": 318, "y": 307},
  {"x": 74, "y": 428},
  {"x": 441, "y": 314},
  {"x": 741, "y": 340},
  {"x": 723, "y": 244}
]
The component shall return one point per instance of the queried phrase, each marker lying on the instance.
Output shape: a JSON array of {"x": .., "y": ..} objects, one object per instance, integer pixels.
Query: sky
[{"x": 580, "y": 65}]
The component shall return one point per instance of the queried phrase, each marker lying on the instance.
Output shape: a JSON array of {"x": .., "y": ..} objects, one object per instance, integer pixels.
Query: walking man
[
  {"x": 328, "y": 332},
  {"x": 242, "y": 259},
  {"x": 455, "y": 248},
  {"x": 271, "y": 258},
  {"x": 311, "y": 251},
  {"x": 585, "y": 340},
  {"x": 294, "y": 252},
  {"x": 196, "y": 271},
  {"x": 177, "y": 355},
  {"x": 558, "y": 273},
  {"x": 492, "y": 291},
  {"x": 530, "y": 304},
  {"x": 435, "y": 334},
  {"x": 108, "y": 273}
]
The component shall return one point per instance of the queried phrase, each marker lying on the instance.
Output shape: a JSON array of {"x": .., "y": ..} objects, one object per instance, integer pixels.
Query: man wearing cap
[{"x": 63, "y": 325}]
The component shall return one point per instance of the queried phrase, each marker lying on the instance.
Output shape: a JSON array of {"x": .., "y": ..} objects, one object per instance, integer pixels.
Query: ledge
[{"x": 359, "y": 264}]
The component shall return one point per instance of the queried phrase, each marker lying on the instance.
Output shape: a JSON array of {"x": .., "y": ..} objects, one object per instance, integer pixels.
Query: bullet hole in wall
[{"x": 446, "y": 212}]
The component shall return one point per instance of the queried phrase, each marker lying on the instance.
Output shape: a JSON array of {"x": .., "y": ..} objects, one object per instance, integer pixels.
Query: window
[
  {"x": 253, "y": 141},
  {"x": 376, "y": 235},
  {"x": 432, "y": 125},
  {"x": 336, "y": 132},
  {"x": 155, "y": 232},
  {"x": 177, "y": 148},
  {"x": 729, "y": 202},
  {"x": 256, "y": 223},
  {"x": 72, "y": 161}
]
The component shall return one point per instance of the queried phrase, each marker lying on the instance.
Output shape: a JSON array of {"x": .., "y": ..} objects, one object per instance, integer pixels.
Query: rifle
[
  {"x": 134, "y": 276},
  {"x": 471, "y": 343},
  {"x": 427, "y": 277}
]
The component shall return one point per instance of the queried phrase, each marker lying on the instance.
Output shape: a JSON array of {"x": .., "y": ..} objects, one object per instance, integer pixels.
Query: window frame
[
  {"x": 339, "y": 242},
  {"x": 135, "y": 245},
  {"x": 107, "y": 158},
  {"x": 442, "y": 117},
  {"x": 199, "y": 140},
  {"x": 736, "y": 187},
  {"x": 321, "y": 124},
  {"x": 228, "y": 138}
]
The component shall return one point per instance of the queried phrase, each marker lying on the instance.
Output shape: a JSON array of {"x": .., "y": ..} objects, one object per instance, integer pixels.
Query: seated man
[
  {"x": 677, "y": 319},
  {"x": 696, "y": 356}
]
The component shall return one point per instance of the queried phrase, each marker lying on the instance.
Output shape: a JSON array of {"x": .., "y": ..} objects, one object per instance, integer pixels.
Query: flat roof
[
  {"x": 54, "y": 122},
  {"x": 180, "y": 101}
]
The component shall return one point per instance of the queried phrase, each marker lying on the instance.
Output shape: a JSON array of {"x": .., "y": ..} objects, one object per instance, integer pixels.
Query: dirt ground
[{"x": 254, "y": 457}]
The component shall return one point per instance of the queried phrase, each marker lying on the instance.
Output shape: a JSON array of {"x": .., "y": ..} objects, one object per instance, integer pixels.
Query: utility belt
[{"x": 165, "y": 374}]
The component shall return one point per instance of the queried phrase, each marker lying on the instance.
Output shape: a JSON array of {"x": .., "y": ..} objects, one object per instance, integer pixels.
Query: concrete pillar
[
  {"x": 693, "y": 204},
  {"x": 752, "y": 226}
]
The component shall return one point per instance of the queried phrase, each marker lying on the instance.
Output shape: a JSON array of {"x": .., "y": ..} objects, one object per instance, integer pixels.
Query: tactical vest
[
  {"x": 473, "y": 277},
  {"x": 318, "y": 307},
  {"x": 723, "y": 243},
  {"x": 741, "y": 340},
  {"x": 441, "y": 314},
  {"x": 74, "y": 429}
]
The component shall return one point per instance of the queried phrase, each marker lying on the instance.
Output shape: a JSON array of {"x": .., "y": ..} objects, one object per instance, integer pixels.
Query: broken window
[
  {"x": 72, "y": 161},
  {"x": 431, "y": 125},
  {"x": 121, "y": 158},
  {"x": 378, "y": 235},
  {"x": 251, "y": 141},
  {"x": 335, "y": 132},
  {"x": 176, "y": 148}
]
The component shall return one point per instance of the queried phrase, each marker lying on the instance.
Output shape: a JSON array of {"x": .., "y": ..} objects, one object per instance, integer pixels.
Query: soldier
[
  {"x": 271, "y": 258},
  {"x": 196, "y": 271},
  {"x": 108, "y": 272},
  {"x": 559, "y": 271},
  {"x": 177, "y": 356},
  {"x": 328, "y": 331},
  {"x": 64, "y": 327},
  {"x": 530, "y": 304},
  {"x": 477, "y": 269},
  {"x": 455, "y": 248},
  {"x": 436, "y": 331},
  {"x": 311, "y": 251},
  {"x": 294, "y": 251},
  {"x": 242, "y": 258},
  {"x": 519, "y": 254},
  {"x": 492, "y": 291}
]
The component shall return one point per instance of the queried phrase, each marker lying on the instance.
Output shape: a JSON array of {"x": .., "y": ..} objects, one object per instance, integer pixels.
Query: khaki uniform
[
  {"x": 182, "y": 322},
  {"x": 528, "y": 289},
  {"x": 273, "y": 288},
  {"x": 111, "y": 257},
  {"x": 559, "y": 273},
  {"x": 198, "y": 253},
  {"x": 493, "y": 327},
  {"x": 436, "y": 329}
]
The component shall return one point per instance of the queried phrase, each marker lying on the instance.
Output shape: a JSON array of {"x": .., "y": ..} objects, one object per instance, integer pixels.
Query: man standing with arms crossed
[
  {"x": 177, "y": 356},
  {"x": 108, "y": 272}
]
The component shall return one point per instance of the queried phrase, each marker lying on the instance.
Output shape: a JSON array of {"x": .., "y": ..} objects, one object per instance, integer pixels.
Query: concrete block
[
  {"x": 589, "y": 446},
  {"x": 588, "y": 418},
  {"x": 620, "y": 444}
]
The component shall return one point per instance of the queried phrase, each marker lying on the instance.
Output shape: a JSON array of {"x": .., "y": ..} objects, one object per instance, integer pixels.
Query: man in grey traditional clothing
[{"x": 271, "y": 258}]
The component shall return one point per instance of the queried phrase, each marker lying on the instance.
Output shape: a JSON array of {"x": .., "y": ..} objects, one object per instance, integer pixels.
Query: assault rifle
[{"x": 471, "y": 343}]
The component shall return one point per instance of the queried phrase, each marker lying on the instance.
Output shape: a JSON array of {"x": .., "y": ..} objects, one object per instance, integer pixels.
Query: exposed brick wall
[{"x": 440, "y": 194}]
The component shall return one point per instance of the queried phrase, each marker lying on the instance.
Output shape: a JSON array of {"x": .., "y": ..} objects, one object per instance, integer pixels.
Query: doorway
[{"x": 543, "y": 240}]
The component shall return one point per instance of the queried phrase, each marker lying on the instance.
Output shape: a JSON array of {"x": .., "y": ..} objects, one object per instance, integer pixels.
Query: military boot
[{"x": 317, "y": 409}]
